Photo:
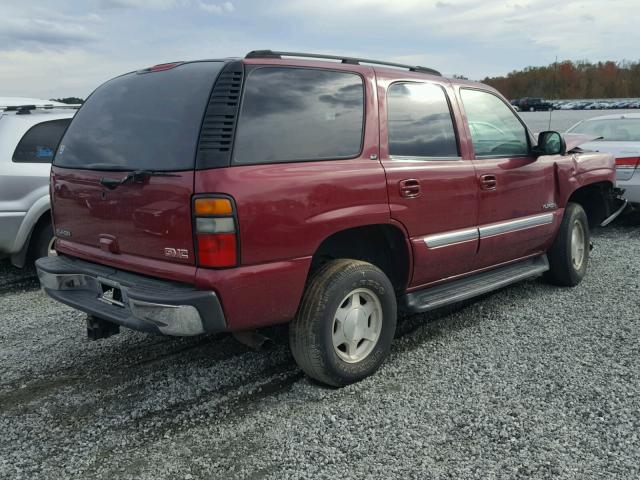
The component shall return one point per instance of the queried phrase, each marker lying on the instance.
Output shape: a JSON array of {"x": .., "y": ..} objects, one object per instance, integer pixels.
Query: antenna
[{"x": 555, "y": 88}]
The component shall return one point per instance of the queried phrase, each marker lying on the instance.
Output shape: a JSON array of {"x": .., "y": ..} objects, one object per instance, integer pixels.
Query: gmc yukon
[{"x": 328, "y": 192}]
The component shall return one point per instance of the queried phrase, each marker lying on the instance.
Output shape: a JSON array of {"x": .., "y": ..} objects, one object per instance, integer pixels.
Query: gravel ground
[{"x": 530, "y": 382}]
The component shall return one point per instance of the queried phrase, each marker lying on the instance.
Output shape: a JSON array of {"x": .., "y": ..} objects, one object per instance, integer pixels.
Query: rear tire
[
  {"x": 42, "y": 241},
  {"x": 569, "y": 254},
  {"x": 345, "y": 324}
]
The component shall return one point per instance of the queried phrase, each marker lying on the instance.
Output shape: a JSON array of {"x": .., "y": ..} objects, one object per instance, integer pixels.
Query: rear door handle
[
  {"x": 488, "y": 182},
  {"x": 409, "y": 188}
]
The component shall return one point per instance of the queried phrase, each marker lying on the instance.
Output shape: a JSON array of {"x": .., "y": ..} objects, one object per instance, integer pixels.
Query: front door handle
[
  {"x": 488, "y": 182},
  {"x": 409, "y": 188}
]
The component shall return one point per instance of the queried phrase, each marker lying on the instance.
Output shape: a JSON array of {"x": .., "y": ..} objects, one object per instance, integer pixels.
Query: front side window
[
  {"x": 299, "y": 114},
  {"x": 495, "y": 130},
  {"x": 420, "y": 123},
  {"x": 40, "y": 142}
]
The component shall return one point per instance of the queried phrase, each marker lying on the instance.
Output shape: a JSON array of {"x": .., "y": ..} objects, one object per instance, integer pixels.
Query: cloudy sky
[{"x": 51, "y": 48}]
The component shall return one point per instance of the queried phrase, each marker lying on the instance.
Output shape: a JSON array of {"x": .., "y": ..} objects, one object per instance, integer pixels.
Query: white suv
[{"x": 30, "y": 130}]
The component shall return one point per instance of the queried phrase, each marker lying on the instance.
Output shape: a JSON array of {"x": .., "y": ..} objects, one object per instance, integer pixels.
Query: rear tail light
[
  {"x": 627, "y": 163},
  {"x": 216, "y": 232}
]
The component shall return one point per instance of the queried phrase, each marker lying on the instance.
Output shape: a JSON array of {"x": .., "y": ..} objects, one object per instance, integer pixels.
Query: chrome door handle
[
  {"x": 488, "y": 182},
  {"x": 409, "y": 188}
]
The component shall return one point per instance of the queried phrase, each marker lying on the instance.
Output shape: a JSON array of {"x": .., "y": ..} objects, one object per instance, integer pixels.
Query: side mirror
[{"x": 551, "y": 143}]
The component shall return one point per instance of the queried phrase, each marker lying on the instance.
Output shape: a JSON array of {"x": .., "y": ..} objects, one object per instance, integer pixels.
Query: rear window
[
  {"x": 613, "y": 130},
  {"x": 141, "y": 121},
  {"x": 299, "y": 114},
  {"x": 40, "y": 142}
]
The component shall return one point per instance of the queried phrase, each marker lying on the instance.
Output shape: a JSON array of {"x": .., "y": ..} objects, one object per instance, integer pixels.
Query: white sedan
[{"x": 620, "y": 135}]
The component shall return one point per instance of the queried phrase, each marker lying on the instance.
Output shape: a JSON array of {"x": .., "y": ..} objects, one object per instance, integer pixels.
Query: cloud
[
  {"x": 38, "y": 33},
  {"x": 54, "y": 74},
  {"x": 225, "y": 7},
  {"x": 79, "y": 43},
  {"x": 218, "y": 8},
  {"x": 147, "y": 4}
]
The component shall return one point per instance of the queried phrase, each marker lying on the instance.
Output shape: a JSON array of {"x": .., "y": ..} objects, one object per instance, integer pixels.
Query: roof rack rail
[
  {"x": 349, "y": 60},
  {"x": 28, "y": 108}
]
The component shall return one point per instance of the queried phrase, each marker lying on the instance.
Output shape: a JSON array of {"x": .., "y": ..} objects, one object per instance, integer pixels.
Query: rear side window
[
  {"x": 40, "y": 142},
  {"x": 145, "y": 121},
  {"x": 299, "y": 114},
  {"x": 420, "y": 123}
]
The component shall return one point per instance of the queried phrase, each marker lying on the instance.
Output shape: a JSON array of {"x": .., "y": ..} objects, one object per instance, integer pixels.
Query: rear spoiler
[{"x": 29, "y": 108}]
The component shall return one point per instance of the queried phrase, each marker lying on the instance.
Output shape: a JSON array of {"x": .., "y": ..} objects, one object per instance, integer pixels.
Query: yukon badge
[
  {"x": 182, "y": 253},
  {"x": 549, "y": 206},
  {"x": 61, "y": 232}
]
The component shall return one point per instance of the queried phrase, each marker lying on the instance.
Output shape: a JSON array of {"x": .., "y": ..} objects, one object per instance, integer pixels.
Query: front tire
[
  {"x": 345, "y": 324},
  {"x": 569, "y": 254}
]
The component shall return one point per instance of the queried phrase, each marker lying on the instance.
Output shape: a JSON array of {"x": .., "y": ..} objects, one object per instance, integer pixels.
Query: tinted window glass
[
  {"x": 40, "y": 142},
  {"x": 613, "y": 130},
  {"x": 420, "y": 123},
  {"x": 298, "y": 114},
  {"x": 495, "y": 130},
  {"x": 141, "y": 121}
]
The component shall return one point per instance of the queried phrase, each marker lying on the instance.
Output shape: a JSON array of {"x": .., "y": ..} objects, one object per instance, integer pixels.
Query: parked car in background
[
  {"x": 234, "y": 194},
  {"x": 534, "y": 104},
  {"x": 619, "y": 135},
  {"x": 30, "y": 130}
]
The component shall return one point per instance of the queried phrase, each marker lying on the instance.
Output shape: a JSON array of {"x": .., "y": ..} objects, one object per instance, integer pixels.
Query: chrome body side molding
[
  {"x": 458, "y": 236},
  {"x": 517, "y": 224},
  {"x": 449, "y": 238}
]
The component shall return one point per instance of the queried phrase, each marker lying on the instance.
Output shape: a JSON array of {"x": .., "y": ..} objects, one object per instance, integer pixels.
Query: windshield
[
  {"x": 145, "y": 121},
  {"x": 613, "y": 130}
]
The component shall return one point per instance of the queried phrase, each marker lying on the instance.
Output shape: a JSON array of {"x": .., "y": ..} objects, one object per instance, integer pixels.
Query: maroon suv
[{"x": 229, "y": 195}]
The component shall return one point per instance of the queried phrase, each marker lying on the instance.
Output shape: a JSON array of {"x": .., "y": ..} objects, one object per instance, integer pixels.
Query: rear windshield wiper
[{"x": 137, "y": 176}]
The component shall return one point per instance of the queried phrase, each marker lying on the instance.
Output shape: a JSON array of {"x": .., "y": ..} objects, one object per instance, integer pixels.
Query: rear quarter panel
[{"x": 285, "y": 211}]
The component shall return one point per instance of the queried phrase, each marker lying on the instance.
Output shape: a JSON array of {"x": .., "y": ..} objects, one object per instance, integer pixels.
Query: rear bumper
[{"x": 131, "y": 300}]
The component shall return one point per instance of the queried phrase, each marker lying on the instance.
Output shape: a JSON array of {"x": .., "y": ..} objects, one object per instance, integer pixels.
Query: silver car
[
  {"x": 30, "y": 130},
  {"x": 620, "y": 135}
]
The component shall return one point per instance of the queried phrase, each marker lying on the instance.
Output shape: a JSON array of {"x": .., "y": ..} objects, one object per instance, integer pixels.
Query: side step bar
[{"x": 469, "y": 287}]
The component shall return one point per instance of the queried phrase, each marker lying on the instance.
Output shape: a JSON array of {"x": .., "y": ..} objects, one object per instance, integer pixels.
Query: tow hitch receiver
[{"x": 98, "y": 328}]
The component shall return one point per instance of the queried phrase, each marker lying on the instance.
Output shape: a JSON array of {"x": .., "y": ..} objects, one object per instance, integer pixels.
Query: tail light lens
[
  {"x": 627, "y": 163},
  {"x": 216, "y": 232}
]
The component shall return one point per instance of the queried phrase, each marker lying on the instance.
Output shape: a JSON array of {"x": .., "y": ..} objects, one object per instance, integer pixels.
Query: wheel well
[
  {"x": 594, "y": 200},
  {"x": 44, "y": 219},
  {"x": 384, "y": 246},
  {"x": 20, "y": 259}
]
